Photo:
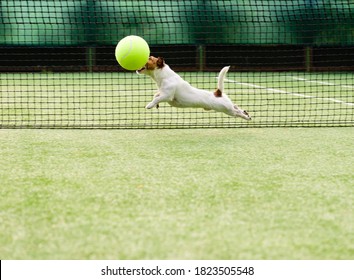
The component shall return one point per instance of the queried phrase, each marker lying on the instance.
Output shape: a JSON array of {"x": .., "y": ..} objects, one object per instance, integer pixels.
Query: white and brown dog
[{"x": 179, "y": 93}]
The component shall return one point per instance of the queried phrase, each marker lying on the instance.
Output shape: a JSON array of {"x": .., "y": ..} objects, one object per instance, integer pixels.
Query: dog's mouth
[{"x": 139, "y": 71}]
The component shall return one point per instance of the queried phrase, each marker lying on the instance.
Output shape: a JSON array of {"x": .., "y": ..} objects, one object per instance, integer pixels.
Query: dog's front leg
[
  {"x": 160, "y": 97},
  {"x": 154, "y": 102},
  {"x": 165, "y": 94},
  {"x": 156, "y": 95}
]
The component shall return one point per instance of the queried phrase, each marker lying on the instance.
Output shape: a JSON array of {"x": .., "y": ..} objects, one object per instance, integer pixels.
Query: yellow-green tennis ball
[{"x": 132, "y": 52}]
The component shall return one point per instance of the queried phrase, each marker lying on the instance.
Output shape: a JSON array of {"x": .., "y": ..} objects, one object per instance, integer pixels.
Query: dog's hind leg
[{"x": 241, "y": 113}]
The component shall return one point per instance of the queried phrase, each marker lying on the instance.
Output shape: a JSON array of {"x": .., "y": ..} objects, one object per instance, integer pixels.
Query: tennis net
[{"x": 292, "y": 62}]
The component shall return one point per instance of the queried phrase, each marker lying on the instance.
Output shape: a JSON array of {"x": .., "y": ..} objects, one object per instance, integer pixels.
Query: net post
[
  {"x": 201, "y": 58},
  {"x": 308, "y": 58},
  {"x": 90, "y": 58}
]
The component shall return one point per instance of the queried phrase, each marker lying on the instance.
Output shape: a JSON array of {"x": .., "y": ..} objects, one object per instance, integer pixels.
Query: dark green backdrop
[{"x": 72, "y": 23}]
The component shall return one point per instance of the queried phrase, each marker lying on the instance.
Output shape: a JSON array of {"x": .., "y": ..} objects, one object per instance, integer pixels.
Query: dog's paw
[
  {"x": 150, "y": 105},
  {"x": 241, "y": 113}
]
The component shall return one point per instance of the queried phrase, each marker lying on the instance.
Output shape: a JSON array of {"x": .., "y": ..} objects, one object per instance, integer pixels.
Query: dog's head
[{"x": 152, "y": 64}]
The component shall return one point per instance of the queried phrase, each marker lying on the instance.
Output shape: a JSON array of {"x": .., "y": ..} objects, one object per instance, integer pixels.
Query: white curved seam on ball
[{"x": 130, "y": 48}]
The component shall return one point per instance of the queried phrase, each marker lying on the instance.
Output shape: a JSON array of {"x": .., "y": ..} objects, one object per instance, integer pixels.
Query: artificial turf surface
[{"x": 276, "y": 193}]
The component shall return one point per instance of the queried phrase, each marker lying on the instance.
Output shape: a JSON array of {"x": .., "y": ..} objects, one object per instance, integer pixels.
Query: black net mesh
[{"x": 291, "y": 61}]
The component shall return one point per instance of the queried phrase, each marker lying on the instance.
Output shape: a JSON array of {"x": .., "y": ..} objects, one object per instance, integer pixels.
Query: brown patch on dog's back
[{"x": 218, "y": 93}]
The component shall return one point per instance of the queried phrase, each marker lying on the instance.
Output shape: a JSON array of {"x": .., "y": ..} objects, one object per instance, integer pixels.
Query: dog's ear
[{"x": 160, "y": 62}]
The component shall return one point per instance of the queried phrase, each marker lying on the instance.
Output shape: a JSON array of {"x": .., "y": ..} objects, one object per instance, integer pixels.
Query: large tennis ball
[{"x": 132, "y": 52}]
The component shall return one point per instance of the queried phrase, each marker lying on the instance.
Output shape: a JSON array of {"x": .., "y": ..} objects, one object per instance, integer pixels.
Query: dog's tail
[{"x": 221, "y": 78}]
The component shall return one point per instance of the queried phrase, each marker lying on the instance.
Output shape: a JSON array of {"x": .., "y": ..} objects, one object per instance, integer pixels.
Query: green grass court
[{"x": 276, "y": 193}]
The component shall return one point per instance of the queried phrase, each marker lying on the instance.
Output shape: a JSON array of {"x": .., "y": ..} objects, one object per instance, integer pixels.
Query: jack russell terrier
[{"x": 179, "y": 93}]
